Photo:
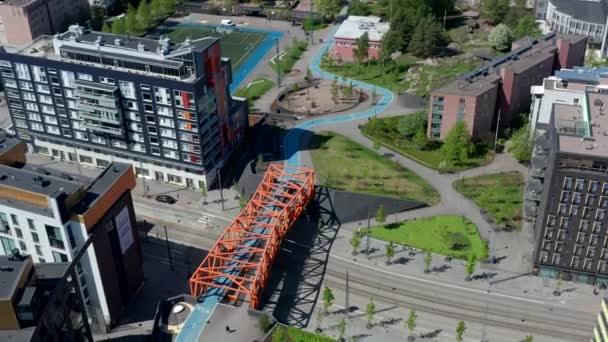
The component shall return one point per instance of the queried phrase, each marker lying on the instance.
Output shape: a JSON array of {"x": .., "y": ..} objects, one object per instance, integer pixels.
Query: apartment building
[
  {"x": 22, "y": 21},
  {"x": 568, "y": 188},
  {"x": 351, "y": 29},
  {"x": 96, "y": 98},
  {"x": 41, "y": 302},
  {"x": 52, "y": 216},
  {"x": 492, "y": 94}
]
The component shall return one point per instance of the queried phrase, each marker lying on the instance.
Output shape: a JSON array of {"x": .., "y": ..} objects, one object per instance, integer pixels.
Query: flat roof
[
  {"x": 10, "y": 273},
  {"x": 36, "y": 182},
  {"x": 593, "y": 11},
  {"x": 466, "y": 88},
  {"x": 355, "y": 26},
  {"x": 101, "y": 185},
  {"x": 53, "y": 270},
  {"x": 243, "y": 325},
  {"x": 22, "y": 335}
]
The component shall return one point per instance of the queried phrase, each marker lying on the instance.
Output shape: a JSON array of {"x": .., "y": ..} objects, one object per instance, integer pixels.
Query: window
[
  {"x": 146, "y": 96},
  {"x": 127, "y": 89},
  {"x": 183, "y": 99},
  {"x": 22, "y": 246},
  {"x": 15, "y": 219},
  {"x": 54, "y": 235},
  {"x": 153, "y": 140},
  {"x": 41, "y": 88},
  {"x": 573, "y": 210},
  {"x": 567, "y": 183},
  {"x": 174, "y": 178},
  {"x": 162, "y": 96},
  {"x": 23, "y": 72},
  {"x": 151, "y": 129},
  {"x": 580, "y": 184},
  {"x": 85, "y": 77},
  {"x": 106, "y": 80},
  {"x": 8, "y": 245},
  {"x": 593, "y": 186},
  {"x": 39, "y": 74},
  {"x": 557, "y": 258},
  {"x": 42, "y": 260},
  {"x": 30, "y": 224},
  {"x": 86, "y": 159},
  {"x": 148, "y": 108},
  {"x": 155, "y": 151},
  {"x": 19, "y": 233},
  {"x": 60, "y": 257},
  {"x": 584, "y": 226},
  {"x": 38, "y": 250},
  {"x": 102, "y": 163}
]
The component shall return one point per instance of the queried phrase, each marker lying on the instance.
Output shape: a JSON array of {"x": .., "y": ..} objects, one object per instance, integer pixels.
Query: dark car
[{"x": 165, "y": 199}]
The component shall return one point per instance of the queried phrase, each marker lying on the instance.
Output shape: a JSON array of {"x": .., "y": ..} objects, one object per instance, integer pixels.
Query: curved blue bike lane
[{"x": 291, "y": 142}]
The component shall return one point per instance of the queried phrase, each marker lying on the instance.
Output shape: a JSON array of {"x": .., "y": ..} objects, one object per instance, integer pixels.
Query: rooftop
[
  {"x": 22, "y": 335},
  {"x": 101, "y": 185},
  {"x": 593, "y": 11},
  {"x": 355, "y": 26},
  {"x": 584, "y": 74},
  {"x": 19, "y": 3},
  {"x": 242, "y": 323},
  {"x": 10, "y": 274}
]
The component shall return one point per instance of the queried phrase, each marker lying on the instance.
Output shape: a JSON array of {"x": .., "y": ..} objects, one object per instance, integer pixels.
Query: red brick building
[
  {"x": 345, "y": 38},
  {"x": 501, "y": 86}
]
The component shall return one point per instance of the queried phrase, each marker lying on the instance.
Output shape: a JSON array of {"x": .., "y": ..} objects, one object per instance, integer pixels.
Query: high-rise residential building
[
  {"x": 94, "y": 98},
  {"x": 492, "y": 94},
  {"x": 568, "y": 187},
  {"x": 51, "y": 216},
  {"x": 21, "y": 21},
  {"x": 41, "y": 302}
]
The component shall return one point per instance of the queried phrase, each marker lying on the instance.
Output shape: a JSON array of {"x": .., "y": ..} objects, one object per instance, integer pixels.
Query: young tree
[
  {"x": 328, "y": 299},
  {"x": 409, "y": 125},
  {"x": 355, "y": 242},
  {"x": 428, "y": 258},
  {"x": 457, "y": 145},
  {"x": 144, "y": 15},
  {"x": 370, "y": 311},
  {"x": 309, "y": 76},
  {"x": 529, "y": 338},
  {"x": 494, "y": 10},
  {"x": 380, "y": 214},
  {"x": 558, "y": 285},
  {"x": 328, "y": 8},
  {"x": 421, "y": 140},
  {"x": 345, "y": 90},
  {"x": 526, "y": 26},
  {"x": 106, "y": 28},
  {"x": 410, "y": 323},
  {"x": 521, "y": 144},
  {"x": 470, "y": 268},
  {"x": 500, "y": 37},
  {"x": 341, "y": 328},
  {"x": 118, "y": 26},
  {"x": 390, "y": 252},
  {"x": 334, "y": 89},
  {"x": 427, "y": 38},
  {"x": 374, "y": 96},
  {"x": 361, "y": 50},
  {"x": 461, "y": 327}
]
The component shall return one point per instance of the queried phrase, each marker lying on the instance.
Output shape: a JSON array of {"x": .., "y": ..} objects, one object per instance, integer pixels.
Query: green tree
[
  {"x": 461, "y": 327},
  {"x": 529, "y": 338},
  {"x": 358, "y": 7},
  {"x": 380, "y": 214},
  {"x": 106, "y": 28},
  {"x": 494, "y": 10},
  {"x": 265, "y": 323},
  {"x": 409, "y": 125},
  {"x": 156, "y": 9},
  {"x": 428, "y": 258},
  {"x": 144, "y": 15},
  {"x": 334, "y": 89},
  {"x": 98, "y": 14},
  {"x": 328, "y": 299},
  {"x": 521, "y": 144},
  {"x": 327, "y": 8},
  {"x": 470, "y": 267},
  {"x": 390, "y": 252},
  {"x": 309, "y": 76},
  {"x": 361, "y": 50},
  {"x": 346, "y": 92},
  {"x": 515, "y": 12},
  {"x": 168, "y": 6},
  {"x": 500, "y": 37},
  {"x": 410, "y": 323},
  {"x": 242, "y": 202},
  {"x": 427, "y": 38},
  {"x": 421, "y": 140},
  {"x": 355, "y": 242},
  {"x": 526, "y": 26},
  {"x": 457, "y": 146},
  {"x": 370, "y": 311},
  {"x": 119, "y": 26},
  {"x": 341, "y": 328},
  {"x": 131, "y": 22}
]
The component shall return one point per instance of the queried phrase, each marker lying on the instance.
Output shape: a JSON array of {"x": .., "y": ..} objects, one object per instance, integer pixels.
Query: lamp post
[{"x": 219, "y": 179}]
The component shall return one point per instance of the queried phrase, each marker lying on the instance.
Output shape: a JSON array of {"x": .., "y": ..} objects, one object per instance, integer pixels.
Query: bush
[
  {"x": 411, "y": 124},
  {"x": 265, "y": 323},
  {"x": 500, "y": 37},
  {"x": 457, "y": 241}
]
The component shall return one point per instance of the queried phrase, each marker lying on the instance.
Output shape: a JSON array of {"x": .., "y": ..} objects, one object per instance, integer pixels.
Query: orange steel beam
[{"x": 243, "y": 255}]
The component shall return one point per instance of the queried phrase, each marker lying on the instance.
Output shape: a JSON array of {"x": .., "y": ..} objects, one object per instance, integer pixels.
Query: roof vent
[
  {"x": 98, "y": 41},
  {"x": 141, "y": 47},
  {"x": 117, "y": 41},
  {"x": 41, "y": 181}
]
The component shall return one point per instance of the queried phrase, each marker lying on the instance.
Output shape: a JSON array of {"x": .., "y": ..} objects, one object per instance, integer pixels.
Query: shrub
[{"x": 457, "y": 241}]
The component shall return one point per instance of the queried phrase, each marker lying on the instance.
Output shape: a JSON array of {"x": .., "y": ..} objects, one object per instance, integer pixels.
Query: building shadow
[{"x": 295, "y": 282}]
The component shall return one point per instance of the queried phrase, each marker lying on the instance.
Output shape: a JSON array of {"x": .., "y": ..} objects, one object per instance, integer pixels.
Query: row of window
[
  {"x": 580, "y": 185},
  {"x": 577, "y": 262}
]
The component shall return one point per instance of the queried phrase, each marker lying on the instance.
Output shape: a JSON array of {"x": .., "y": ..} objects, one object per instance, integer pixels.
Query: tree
[
  {"x": 156, "y": 9},
  {"x": 168, "y": 6},
  {"x": 355, "y": 242},
  {"x": 358, "y": 7},
  {"x": 341, "y": 328},
  {"x": 494, "y": 10},
  {"x": 328, "y": 8},
  {"x": 421, "y": 140},
  {"x": 461, "y": 327},
  {"x": 374, "y": 96},
  {"x": 242, "y": 202},
  {"x": 309, "y": 76},
  {"x": 409, "y": 125},
  {"x": 328, "y": 299},
  {"x": 457, "y": 145},
  {"x": 521, "y": 144},
  {"x": 428, "y": 258},
  {"x": 361, "y": 50},
  {"x": 526, "y": 26},
  {"x": 515, "y": 12},
  {"x": 390, "y": 252},
  {"x": 427, "y": 38},
  {"x": 144, "y": 15},
  {"x": 470, "y": 268},
  {"x": 131, "y": 23},
  {"x": 346, "y": 92},
  {"x": 558, "y": 285},
  {"x": 529, "y": 338},
  {"x": 98, "y": 15},
  {"x": 380, "y": 214},
  {"x": 265, "y": 323},
  {"x": 334, "y": 89},
  {"x": 106, "y": 28},
  {"x": 410, "y": 323},
  {"x": 500, "y": 37},
  {"x": 370, "y": 311},
  {"x": 118, "y": 26}
]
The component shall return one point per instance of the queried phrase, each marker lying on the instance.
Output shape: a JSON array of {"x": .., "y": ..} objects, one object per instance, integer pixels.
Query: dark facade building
[
  {"x": 569, "y": 180},
  {"x": 41, "y": 302},
  {"x": 501, "y": 86},
  {"x": 93, "y": 98}
]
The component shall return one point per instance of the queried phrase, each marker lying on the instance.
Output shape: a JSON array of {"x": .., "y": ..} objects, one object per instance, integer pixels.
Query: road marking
[{"x": 438, "y": 283}]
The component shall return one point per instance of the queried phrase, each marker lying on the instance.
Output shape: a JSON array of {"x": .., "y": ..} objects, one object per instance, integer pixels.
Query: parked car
[
  {"x": 227, "y": 23},
  {"x": 165, "y": 199}
]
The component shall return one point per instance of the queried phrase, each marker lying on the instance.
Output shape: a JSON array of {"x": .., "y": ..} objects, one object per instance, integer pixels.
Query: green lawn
[
  {"x": 292, "y": 54},
  {"x": 436, "y": 234},
  {"x": 407, "y": 73},
  {"x": 291, "y": 334},
  {"x": 236, "y": 45},
  {"x": 385, "y": 131},
  {"x": 255, "y": 89},
  {"x": 342, "y": 164},
  {"x": 501, "y": 195}
]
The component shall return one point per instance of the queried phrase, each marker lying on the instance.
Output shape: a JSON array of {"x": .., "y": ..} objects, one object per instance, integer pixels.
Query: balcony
[{"x": 99, "y": 127}]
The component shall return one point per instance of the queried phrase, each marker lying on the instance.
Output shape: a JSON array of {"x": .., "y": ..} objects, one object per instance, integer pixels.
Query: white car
[{"x": 227, "y": 23}]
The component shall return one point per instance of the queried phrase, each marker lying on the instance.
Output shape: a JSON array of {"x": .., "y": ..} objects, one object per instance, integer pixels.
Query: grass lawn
[
  {"x": 343, "y": 164},
  {"x": 385, "y": 131},
  {"x": 291, "y": 334},
  {"x": 501, "y": 195},
  {"x": 291, "y": 56},
  {"x": 435, "y": 234},
  {"x": 255, "y": 89},
  {"x": 236, "y": 45}
]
